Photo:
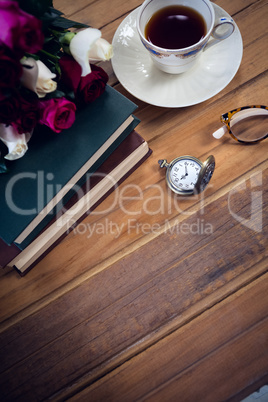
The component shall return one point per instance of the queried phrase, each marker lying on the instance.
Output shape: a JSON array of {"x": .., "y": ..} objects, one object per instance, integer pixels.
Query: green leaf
[
  {"x": 55, "y": 94},
  {"x": 64, "y": 23},
  {"x": 34, "y": 56},
  {"x": 35, "y": 7},
  {"x": 57, "y": 69},
  {"x": 3, "y": 168},
  {"x": 47, "y": 19},
  {"x": 57, "y": 11},
  {"x": 53, "y": 47}
]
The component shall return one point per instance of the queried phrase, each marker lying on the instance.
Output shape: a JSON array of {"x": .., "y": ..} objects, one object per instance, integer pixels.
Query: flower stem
[{"x": 49, "y": 55}]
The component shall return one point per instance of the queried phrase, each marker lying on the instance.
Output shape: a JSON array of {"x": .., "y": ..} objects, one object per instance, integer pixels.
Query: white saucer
[{"x": 135, "y": 70}]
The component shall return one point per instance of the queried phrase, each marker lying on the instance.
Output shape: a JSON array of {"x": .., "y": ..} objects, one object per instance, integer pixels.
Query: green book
[
  {"x": 127, "y": 157},
  {"x": 54, "y": 163}
]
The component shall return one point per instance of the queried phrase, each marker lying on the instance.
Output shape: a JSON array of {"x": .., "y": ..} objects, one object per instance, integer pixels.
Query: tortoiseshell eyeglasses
[{"x": 248, "y": 124}]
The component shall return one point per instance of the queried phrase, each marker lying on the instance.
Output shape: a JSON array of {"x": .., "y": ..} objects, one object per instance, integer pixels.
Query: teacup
[{"x": 173, "y": 60}]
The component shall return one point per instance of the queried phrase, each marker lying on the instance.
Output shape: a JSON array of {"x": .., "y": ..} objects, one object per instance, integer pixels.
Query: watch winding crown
[{"x": 163, "y": 163}]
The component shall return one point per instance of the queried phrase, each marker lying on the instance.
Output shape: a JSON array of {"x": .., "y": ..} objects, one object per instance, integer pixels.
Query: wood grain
[
  {"x": 175, "y": 307},
  {"x": 184, "y": 275},
  {"x": 188, "y": 360}
]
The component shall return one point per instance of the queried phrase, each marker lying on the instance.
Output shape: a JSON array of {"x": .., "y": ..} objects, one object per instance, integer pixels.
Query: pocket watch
[{"x": 187, "y": 175}]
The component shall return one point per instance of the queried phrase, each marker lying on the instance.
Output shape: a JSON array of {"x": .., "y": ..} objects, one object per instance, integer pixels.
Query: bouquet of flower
[{"x": 47, "y": 71}]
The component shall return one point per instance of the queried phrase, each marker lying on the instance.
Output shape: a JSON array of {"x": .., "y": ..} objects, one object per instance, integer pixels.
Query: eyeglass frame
[{"x": 226, "y": 119}]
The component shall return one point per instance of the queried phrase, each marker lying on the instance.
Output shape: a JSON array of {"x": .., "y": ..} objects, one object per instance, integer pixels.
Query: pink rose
[
  {"x": 20, "y": 31},
  {"x": 86, "y": 89},
  {"x": 57, "y": 113}
]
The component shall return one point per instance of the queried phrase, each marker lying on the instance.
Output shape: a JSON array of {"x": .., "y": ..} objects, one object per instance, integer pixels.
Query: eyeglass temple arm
[
  {"x": 239, "y": 116},
  {"x": 220, "y": 132}
]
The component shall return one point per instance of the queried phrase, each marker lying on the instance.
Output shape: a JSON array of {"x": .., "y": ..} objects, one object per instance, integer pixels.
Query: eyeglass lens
[{"x": 250, "y": 124}]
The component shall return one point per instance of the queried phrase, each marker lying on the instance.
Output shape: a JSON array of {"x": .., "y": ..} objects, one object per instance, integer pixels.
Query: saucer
[{"x": 135, "y": 70}]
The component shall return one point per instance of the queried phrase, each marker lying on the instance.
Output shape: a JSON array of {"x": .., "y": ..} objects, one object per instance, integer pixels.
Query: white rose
[
  {"x": 44, "y": 84},
  {"x": 16, "y": 143},
  {"x": 100, "y": 51},
  {"x": 29, "y": 73},
  {"x": 37, "y": 77},
  {"x": 88, "y": 45}
]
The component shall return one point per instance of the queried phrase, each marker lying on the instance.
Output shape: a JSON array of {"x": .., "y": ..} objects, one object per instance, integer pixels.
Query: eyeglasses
[{"x": 248, "y": 124}]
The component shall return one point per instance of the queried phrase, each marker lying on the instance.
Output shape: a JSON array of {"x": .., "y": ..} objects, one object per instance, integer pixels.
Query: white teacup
[{"x": 175, "y": 61}]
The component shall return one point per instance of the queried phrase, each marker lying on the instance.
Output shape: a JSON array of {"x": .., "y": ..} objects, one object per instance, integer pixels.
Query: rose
[
  {"x": 37, "y": 77},
  {"x": 57, "y": 113},
  {"x": 86, "y": 89},
  {"x": 44, "y": 84},
  {"x": 70, "y": 72},
  {"x": 20, "y": 31},
  {"x": 15, "y": 142},
  {"x": 29, "y": 73},
  {"x": 80, "y": 47},
  {"x": 101, "y": 51},
  {"x": 29, "y": 113},
  {"x": 30, "y": 36},
  {"x": 88, "y": 45},
  {"x": 92, "y": 86},
  {"x": 21, "y": 109},
  {"x": 10, "y": 68},
  {"x": 9, "y": 105}
]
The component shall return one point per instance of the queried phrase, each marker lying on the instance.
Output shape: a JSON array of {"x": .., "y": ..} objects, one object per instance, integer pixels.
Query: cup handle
[{"x": 223, "y": 28}]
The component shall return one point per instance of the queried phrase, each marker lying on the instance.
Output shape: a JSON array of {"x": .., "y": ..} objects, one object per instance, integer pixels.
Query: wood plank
[
  {"x": 157, "y": 128},
  {"x": 93, "y": 11},
  {"x": 170, "y": 313},
  {"x": 157, "y": 286},
  {"x": 99, "y": 13},
  {"x": 59, "y": 271},
  {"x": 186, "y": 367},
  {"x": 70, "y": 7}
]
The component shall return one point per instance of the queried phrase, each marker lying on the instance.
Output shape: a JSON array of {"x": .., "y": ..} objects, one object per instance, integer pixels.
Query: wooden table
[{"x": 165, "y": 311}]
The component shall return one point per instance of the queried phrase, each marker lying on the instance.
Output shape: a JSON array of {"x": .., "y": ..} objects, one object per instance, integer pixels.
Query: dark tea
[{"x": 175, "y": 27}]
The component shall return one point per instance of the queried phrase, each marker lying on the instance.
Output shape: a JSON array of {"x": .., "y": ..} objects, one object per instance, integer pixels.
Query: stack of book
[{"x": 62, "y": 177}]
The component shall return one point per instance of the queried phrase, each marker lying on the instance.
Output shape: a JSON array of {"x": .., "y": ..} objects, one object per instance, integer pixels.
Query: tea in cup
[{"x": 176, "y": 32}]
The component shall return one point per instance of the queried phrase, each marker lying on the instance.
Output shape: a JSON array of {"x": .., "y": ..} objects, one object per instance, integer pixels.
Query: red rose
[
  {"x": 87, "y": 88},
  {"x": 92, "y": 85},
  {"x": 70, "y": 72},
  {"x": 22, "y": 110},
  {"x": 29, "y": 113},
  {"x": 9, "y": 105},
  {"x": 57, "y": 113},
  {"x": 31, "y": 37},
  {"x": 20, "y": 31},
  {"x": 10, "y": 68}
]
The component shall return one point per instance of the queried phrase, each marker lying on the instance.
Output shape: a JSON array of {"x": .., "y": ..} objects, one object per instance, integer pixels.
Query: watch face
[
  {"x": 205, "y": 174},
  {"x": 183, "y": 174}
]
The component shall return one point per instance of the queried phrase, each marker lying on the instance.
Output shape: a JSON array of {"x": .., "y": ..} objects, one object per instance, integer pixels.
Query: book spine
[
  {"x": 22, "y": 273},
  {"x": 7, "y": 252},
  {"x": 79, "y": 183}
]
